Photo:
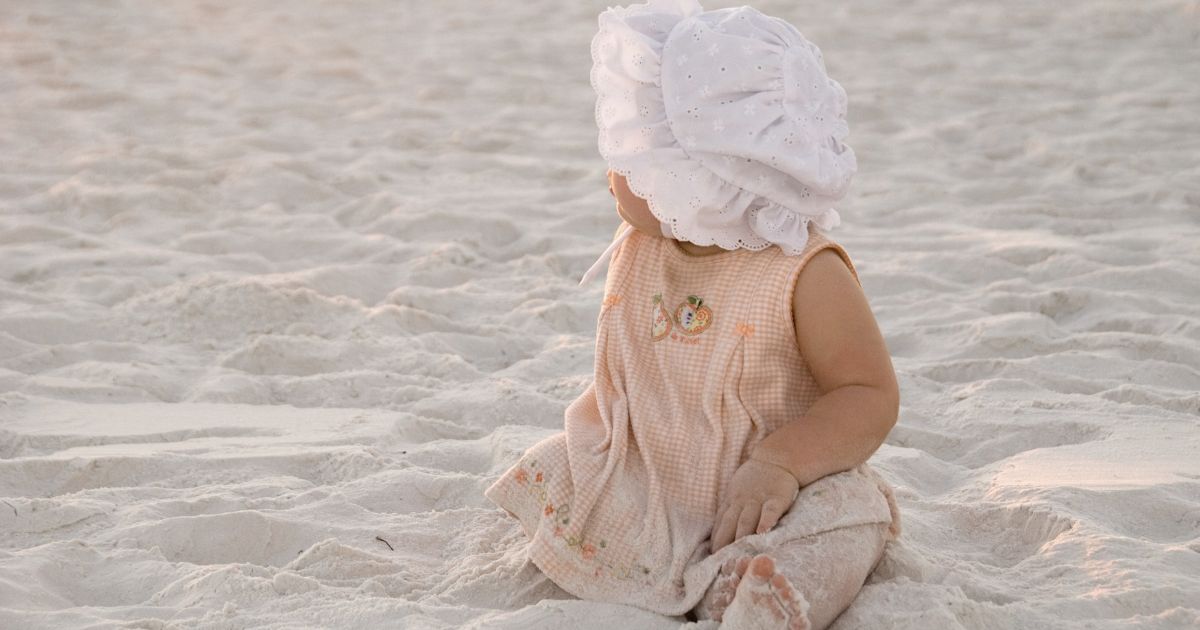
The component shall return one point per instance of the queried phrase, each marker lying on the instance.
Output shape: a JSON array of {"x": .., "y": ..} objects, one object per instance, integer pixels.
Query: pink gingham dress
[{"x": 696, "y": 362}]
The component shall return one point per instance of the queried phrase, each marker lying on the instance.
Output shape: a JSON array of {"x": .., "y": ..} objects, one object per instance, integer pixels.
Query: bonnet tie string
[{"x": 604, "y": 258}]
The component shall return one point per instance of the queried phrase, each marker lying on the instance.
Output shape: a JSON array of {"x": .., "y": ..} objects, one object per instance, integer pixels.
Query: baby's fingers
[
  {"x": 723, "y": 530},
  {"x": 772, "y": 509},
  {"x": 745, "y": 523}
]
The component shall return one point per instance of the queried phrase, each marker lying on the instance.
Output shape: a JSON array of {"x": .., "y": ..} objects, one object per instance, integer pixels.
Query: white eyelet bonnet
[{"x": 724, "y": 121}]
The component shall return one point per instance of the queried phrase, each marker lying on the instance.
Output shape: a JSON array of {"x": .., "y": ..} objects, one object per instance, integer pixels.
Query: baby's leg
[{"x": 824, "y": 573}]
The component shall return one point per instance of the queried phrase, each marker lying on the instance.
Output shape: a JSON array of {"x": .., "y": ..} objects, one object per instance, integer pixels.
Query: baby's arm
[{"x": 847, "y": 356}]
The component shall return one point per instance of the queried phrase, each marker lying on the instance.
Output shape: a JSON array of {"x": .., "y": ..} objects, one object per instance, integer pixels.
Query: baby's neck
[{"x": 700, "y": 250}]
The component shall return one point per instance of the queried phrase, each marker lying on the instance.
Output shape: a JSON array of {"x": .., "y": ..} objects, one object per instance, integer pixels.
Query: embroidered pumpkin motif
[
  {"x": 693, "y": 316},
  {"x": 660, "y": 320}
]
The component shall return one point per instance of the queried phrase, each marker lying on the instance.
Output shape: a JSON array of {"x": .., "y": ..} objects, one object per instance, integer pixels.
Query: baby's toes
[
  {"x": 795, "y": 608},
  {"x": 783, "y": 588},
  {"x": 742, "y": 565},
  {"x": 765, "y": 600},
  {"x": 725, "y": 587},
  {"x": 762, "y": 567}
]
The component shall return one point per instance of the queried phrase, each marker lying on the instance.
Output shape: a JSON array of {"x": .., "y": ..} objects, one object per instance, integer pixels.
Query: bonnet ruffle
[{"x": 724, "y": 121}]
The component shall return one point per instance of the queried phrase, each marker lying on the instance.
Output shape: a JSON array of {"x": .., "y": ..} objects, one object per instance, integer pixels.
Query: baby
[{"x": 715, "y": 466}]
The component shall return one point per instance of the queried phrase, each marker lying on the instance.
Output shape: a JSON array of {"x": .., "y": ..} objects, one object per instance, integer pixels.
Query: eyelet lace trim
[{"x": 671, "y": 178}]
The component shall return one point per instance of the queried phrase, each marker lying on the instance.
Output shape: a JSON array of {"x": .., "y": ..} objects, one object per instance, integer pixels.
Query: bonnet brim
[{"x": 745, "y": 182}]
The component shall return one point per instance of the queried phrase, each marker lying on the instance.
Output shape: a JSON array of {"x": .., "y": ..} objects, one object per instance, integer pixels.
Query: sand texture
[{"x": 285, "y": 286}]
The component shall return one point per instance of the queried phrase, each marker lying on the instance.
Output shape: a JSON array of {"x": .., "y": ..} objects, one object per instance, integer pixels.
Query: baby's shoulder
[
  {"x": 826, "y": 269},
  {"x": 825, "y": 260},
  {"x": 823, "y": 279}
]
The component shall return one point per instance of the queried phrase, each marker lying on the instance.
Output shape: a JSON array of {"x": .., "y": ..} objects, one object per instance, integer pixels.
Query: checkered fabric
[{"x": 696, "y": 362}]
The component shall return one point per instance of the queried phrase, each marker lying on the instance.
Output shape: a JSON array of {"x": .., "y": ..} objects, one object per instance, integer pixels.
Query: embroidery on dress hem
[
  {"x": 745, "y": 329},
  {"x": 561, "y": 515}
]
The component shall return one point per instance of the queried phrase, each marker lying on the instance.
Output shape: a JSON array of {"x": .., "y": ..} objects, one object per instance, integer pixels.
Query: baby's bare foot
[
  {"x": 764, "y": 599},
  {"x": 725, "y": 585}
]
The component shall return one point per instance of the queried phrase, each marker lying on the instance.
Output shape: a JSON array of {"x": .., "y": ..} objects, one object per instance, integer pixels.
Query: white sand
[{"x": 274, "y": 283}]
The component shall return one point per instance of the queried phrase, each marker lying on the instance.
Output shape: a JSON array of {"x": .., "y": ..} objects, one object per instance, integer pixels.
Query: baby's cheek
[{"x": 639, "y": 216}]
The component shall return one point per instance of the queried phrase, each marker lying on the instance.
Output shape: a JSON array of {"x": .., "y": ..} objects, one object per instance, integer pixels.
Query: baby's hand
[{"x": 758, "y": 495}]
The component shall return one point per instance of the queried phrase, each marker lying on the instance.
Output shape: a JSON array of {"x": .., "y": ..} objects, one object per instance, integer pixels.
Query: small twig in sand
[
  {"x": 385, "y": 542},
  {"x": 14, "y": 509}
]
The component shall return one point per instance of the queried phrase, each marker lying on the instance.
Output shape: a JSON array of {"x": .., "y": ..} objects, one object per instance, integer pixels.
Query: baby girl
[{"x": 716, "y": 465}]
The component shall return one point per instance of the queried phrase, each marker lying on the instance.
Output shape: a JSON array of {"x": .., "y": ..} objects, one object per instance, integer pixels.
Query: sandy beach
[{"x": 285, "y": 286}]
